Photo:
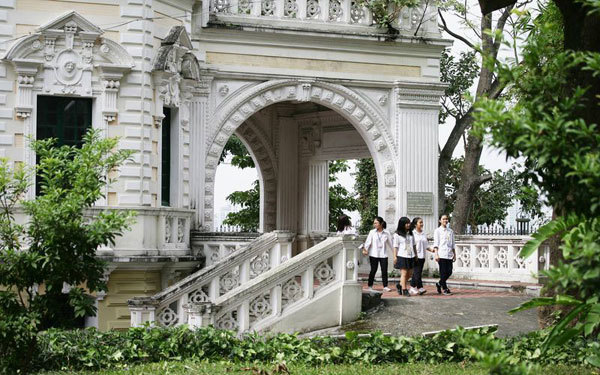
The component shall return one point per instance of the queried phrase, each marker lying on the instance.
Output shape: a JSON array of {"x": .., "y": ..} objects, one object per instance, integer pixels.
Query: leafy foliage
[
  {"x": 459, "y": 73},
  {"x": 247, "y": 218},
  {"x": 341, "y": 200},
  {"x": 562, "y": 156},
  {"x": 240, "y": 157},
  {"x": 90, "y": 349},
  {"x": 57, "y": 245},
  {"x": 386, "y": 12},
  {"x": 493, "y": 199},
  {"x": 366, "y": 189}
]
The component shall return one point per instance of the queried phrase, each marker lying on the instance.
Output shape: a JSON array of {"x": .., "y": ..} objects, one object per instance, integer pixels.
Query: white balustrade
[
  {"x": 173, "y": 229},
  {"x": 252, "y": 291},
  {"x": 495, "y": 258},
  {"x": 421, "y": 19},
  {"x": 235, "y": 266}
]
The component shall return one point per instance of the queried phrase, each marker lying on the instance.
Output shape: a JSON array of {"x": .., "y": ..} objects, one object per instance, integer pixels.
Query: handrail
[{"x": 207, "y": 284}]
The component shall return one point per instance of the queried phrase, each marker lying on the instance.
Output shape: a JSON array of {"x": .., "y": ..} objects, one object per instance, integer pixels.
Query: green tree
[
  {"x": 493, "y": 198},
  {"x": 341, "y": 200},
  {"x": 366, "y": 190},
  {"x": 549, "y": 126},
  {"x": 57, "y": 245},
  {"x": 247, "y": 218}
]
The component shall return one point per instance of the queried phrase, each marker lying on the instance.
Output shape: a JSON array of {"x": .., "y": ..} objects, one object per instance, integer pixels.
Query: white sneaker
[
  {"x": 386, "y": 289},
  {"x": 369, "y": 289},
  {"x": 413, "y": 291},
  {"x": 422, "y": 291}
]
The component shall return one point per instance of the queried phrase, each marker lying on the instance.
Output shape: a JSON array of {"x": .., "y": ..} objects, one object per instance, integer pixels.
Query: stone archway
[
  {"x": 364, "y": 117},
  {"x": 264, "y": 159}
]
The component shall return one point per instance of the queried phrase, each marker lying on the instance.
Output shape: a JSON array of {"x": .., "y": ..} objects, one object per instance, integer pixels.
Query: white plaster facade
[{"x": 301, "y": 82}]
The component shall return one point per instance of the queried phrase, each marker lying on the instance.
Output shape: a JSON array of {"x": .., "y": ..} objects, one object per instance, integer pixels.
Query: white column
[
  {"x": 287, "y": 184},
  {"x": 318, "y": 196},
  {"x": 198, "y": 123},
  {"x": 416, "y": 134}
]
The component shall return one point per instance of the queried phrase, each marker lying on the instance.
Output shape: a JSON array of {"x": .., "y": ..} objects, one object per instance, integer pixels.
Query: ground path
[{"x": 411, "y": 316}]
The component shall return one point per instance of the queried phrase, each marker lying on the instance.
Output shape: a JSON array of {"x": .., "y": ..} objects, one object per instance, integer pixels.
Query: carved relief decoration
[
  {"x": 176, "y": 73},
  {"x": 64, "y": 55}
]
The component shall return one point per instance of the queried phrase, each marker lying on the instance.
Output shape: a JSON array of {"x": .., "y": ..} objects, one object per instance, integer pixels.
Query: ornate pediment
[
  {"x": 175, "y": 56},
  {"x": 71, "y": 20},
  {"x": 65, "y": 53}
]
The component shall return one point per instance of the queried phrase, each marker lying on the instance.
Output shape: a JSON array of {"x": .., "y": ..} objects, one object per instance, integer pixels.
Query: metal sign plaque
[{"x": 419, "y": 203}]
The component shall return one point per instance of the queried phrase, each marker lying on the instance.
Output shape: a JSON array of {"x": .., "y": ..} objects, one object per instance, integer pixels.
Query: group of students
[{"x": 408, "y": 245}]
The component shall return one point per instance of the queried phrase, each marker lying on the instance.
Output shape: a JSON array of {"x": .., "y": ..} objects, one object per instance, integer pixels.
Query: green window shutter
[{"x": 166, "y": 158}]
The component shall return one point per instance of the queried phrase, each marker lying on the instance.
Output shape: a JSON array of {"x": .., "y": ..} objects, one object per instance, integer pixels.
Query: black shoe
[
  {"x": 405, "y": 293},
  {"x": 439, "y": 288},
  {"x": 447, "y": 292}
]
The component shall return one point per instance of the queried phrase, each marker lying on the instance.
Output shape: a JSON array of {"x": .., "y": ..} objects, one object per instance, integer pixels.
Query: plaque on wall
[{"x": 419, "y": 203}]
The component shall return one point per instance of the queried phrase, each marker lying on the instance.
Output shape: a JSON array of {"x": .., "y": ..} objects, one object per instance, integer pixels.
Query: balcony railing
[{"x": 317, "y": 14}]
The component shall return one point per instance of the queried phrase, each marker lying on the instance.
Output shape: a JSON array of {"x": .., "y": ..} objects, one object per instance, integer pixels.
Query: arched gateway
[{"x": 368, "y": 121}]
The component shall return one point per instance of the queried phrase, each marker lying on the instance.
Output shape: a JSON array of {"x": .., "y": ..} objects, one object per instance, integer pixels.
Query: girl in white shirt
[
  {"x": 404, "y": 253},
  {"x": 378, "y": 245},
  {"x": 443, "y": 244},
  {"x": 422, "y": 245},
  {"x": 344, "y": 226}
]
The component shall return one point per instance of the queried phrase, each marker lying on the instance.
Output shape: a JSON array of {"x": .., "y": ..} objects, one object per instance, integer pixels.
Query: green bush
[{"x": 91, "y": 349}]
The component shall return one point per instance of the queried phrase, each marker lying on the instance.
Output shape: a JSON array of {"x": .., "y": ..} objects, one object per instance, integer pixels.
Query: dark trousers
[
  {"x": 445, "y": 271},
  {"x": 417, "y": 281},
  {"x": 384, "y": 273}
]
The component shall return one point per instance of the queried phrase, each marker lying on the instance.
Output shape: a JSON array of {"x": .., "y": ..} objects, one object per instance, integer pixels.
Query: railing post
[
  {"x": 308, "y": 282},
  {"x": 244, "y": 317},
  {"x": 276, "y": 300},
  {"x": 324, "y": 5},
  {"x": 141, "y": 310},
  {"x": 256, "y": 8},
  {"x": 301, "y": 9},
  {"x": 181, "y": 310},
  {"x": 244, "y": 271},
  {"x": 213, "y": 289},
  {"x": 279, "y": 5},
  {"x": 346, "y": 9}
]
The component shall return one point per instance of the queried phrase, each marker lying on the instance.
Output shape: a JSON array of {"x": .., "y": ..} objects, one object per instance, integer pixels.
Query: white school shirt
[
  {"x": 421, "y": 243},
  {"x": 404, "y": 245},
  {"x": 347, "y": 230},
  {"x": 443, "y": 239},
  {"x": 379, "y": 243}
]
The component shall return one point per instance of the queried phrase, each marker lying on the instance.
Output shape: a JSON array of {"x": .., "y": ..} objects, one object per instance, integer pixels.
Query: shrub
[{"x": 91, "y": 349}]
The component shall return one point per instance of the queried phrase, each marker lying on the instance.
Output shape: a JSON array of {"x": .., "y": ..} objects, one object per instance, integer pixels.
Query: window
[
  {"x": 66, "y": 119},
  {"x": 166, "y": 158}
]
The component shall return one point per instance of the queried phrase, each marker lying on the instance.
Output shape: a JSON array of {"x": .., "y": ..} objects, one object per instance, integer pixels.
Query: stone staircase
[{"x": 260, "y": 287}]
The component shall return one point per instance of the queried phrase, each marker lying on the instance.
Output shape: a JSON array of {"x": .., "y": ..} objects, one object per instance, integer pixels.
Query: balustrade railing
[
  {"x": 496, "y": 258},
  {"x": 421, "y": 19},
  {"x": 254, "y": 291},
  {"x": 220, "y": 276}
]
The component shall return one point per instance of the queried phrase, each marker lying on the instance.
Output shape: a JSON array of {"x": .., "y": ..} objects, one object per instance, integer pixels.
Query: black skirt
[{"x": 404, "y": 263}]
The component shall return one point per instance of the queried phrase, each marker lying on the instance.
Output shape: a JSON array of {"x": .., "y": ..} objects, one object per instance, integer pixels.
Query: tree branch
[
  {"x": 483, "y": 179},
  {"x": 500, "y": 27},
  {"x": 488, "y": 6},
  {"x": 453, "y": 34},
  {"x": 496, "y": 89}
]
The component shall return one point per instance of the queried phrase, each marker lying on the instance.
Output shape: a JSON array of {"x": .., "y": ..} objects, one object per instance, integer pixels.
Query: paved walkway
[{"x": 411, "y": 316}]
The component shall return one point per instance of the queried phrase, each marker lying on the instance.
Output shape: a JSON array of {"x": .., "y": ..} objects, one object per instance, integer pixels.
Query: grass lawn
[{"x": 201, "y": 368}]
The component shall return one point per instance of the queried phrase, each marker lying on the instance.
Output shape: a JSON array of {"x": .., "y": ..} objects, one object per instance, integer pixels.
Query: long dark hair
[
  {"x": 440, "y": 219},
  {"x": 343, "y": 222},
  {"x": 381, "y": 221},
  {"x": 401, "y": 229},
  {"x": 414, "y": 222}
]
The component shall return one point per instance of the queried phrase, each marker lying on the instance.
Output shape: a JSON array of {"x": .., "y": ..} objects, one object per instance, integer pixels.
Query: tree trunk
[{"x": 470, "y": 181}]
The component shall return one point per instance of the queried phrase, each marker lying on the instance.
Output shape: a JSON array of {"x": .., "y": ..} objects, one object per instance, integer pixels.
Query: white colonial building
[{"x": 300, "y": 82}]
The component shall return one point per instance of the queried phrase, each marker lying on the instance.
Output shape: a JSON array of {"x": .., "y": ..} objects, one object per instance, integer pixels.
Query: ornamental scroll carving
[
  {"x": 176, "y": 73},
  {"x": 62, "y": 57}
]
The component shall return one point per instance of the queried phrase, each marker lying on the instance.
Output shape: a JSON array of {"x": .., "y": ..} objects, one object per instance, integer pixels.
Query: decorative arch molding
[
  {"x": 264, "y": 158},
  {"x": 63, "y": 55},
  {"x": 366, "y": 119}
]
